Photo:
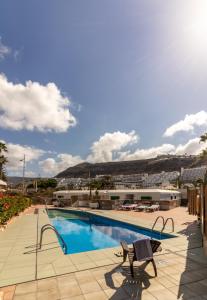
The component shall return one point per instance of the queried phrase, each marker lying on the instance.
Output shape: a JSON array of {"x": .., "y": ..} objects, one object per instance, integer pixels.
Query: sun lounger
[
  {"x": 141, "y": 207},
  {"x": 131, "y": 253},
  {"x": 153, "y": 207},
  {"x": 128, "y": 206}
]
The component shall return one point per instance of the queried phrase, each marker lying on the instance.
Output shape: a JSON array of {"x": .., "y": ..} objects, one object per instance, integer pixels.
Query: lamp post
[
  {"x": 90, "y": 194},
  {"x": 23, "y": 174}
]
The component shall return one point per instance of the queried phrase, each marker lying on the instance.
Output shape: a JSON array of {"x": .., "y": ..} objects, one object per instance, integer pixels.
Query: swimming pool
[{"x": 83, "y": 231}]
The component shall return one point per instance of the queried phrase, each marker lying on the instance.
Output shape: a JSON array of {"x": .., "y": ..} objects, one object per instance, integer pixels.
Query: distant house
[
  {"x": 161, "y": 179},
  {"x": 193, "y": 175},
  {"x": 3, "y": 186}
]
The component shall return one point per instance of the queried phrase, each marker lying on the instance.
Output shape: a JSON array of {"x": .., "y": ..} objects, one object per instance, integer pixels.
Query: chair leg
[
  {"x": 132, "y": 269},
  {"x": 124, "y": 255},
  {"x": 154, "y": 266}
]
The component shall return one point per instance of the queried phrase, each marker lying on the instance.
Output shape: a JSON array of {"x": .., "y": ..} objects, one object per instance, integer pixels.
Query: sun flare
[{"x": 197, "y": 26}]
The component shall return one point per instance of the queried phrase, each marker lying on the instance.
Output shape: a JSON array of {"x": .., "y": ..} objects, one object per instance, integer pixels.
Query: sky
[{"x": 99, "y": 81}]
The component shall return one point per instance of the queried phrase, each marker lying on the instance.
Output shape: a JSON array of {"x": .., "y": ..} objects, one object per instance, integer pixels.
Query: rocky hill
[{"x": 150, "y": 166}]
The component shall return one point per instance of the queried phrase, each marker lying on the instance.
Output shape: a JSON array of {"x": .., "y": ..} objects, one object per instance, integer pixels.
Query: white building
[
  {"x": 3, "y": 186},
  {"x": 166, "y": 198}
]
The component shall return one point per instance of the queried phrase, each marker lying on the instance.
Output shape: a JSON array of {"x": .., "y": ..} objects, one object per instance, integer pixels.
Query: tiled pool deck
[{"x": 27, "y": 273}]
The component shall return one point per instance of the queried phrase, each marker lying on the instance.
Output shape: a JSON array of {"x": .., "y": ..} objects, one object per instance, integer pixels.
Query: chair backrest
[{"x": 155, "y": 245}]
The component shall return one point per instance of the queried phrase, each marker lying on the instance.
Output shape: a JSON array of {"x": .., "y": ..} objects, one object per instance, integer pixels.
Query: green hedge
[{"x": 11, "y": 206}]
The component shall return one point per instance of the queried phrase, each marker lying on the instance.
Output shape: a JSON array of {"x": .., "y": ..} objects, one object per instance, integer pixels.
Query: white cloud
[
  {"x": 107, "y": 148},
  {"x": 51, "y": 166},
  {"x": 4, "y": 50},
  {"x": 147, "y": 153},
  {"x": 16, "y": 153},
  {"x": 34, "y": 107},
  {"x": 109, "y": 144},
  {"x": 187, "y": 124},
  {"x": 192, "y": 147}
]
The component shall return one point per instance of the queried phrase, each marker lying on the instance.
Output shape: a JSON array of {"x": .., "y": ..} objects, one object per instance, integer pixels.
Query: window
[
  {"x": 146, "y": 197},
  {"x": 115, "y": 197}
]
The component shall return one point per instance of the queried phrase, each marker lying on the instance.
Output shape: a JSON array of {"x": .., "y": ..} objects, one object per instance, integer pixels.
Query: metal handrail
[
  {"x": 173, "y": 225},
  {"x": 49, "y": 226},
  {"x": 46, "y": 206},
  {"x": 155, "y": 222}
]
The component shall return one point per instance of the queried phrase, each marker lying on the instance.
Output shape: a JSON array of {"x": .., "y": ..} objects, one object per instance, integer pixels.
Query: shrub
[{"x": 11, "y": 206}]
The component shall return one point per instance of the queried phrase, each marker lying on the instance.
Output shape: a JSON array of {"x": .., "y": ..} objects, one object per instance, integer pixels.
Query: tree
[
  {"x": 47, "y": 183},
  {"x": 3, "y": 160},
  {"x": 203, "y": 139},
  {"x": 104, "y": 183}
]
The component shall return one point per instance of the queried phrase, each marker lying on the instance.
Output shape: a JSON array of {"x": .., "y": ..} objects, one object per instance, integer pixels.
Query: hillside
[{"x": 154, "y": 165}]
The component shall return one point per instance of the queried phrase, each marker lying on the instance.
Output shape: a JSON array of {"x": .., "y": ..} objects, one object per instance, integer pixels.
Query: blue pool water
[{"x": 83, "y": 231}]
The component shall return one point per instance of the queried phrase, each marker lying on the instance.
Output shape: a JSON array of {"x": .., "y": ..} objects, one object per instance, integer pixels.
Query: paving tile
[
  {"x": 29, "y": 296},
  {"x": 116, "y": 294},
  {"x": 10, "y": 288},
  {"x": 74, "y": 298},
  {"x": 62, "y": 262},
  {"x": 204, "y": 282},
  {"x": 49, "y": 294},
  {"x": 197, "y": 298},
  {"x": 103, "y": 283},
  {"x": 164, "y": 294},
  {"x": 84, "y": 277},
  {"x": 64, "y": 279},
  {"x": 72, "y": 289},
  {"x": 25, "y": 288},
  {"x": 90, "y": 287},
  {"x": 104, "y": 262},
  {"x": 165, "y": 281},
  {"x": 199, "y": 288},
  {"x": 182, "y": 291},
  {"x": 14, "y": 280},
  {"x": 99, "y": 273},
  {"x": 44, "y": 271},
  {"x": 46, "y": 284},
  {"x": 85, "y": 266},
  {"x": 96, "y": 295},
  {"x": 146, "y": 296},
  {"x": 8, "y": 296},
  {"x": 64, "y": 270},
  {"x": 9, "y": 272}
]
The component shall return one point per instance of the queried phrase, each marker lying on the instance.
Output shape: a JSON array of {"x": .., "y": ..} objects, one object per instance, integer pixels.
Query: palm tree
[
  {"x": 203, "y": 139},
  {"x": 3, "y": 147},
  {"x": 3, "y": 160}
]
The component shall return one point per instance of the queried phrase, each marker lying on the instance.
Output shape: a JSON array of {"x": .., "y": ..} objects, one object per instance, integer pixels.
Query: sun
[
  {"x": 198, "y": 30},
  {"x": 197, "y": 24}
]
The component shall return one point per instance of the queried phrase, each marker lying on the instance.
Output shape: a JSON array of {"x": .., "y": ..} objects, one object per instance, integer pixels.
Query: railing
[
  {"x": 155, "y": 222},
  {"x": 49, "y": 226},
  {"x": 164, "y": 223},
  {"x": 46, "y": 206},
  {"x": 173, "y": 225}
]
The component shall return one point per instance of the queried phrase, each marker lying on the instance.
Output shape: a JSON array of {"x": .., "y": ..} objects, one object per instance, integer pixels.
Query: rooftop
[{"x": 126, "y": 191}]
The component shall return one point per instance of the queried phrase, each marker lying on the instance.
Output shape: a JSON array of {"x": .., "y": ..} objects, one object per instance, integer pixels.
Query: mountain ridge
[{"x": 150, "y": 166}]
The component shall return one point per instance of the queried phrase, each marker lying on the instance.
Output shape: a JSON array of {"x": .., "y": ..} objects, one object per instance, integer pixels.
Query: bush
[{"x": 11, "y": 206}]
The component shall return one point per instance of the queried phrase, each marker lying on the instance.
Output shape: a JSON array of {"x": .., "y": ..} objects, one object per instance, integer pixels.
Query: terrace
[{"x": 29, "y": 273}]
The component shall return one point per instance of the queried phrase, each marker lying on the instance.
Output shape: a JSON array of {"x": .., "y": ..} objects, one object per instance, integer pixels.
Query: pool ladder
[
  {"x": 164, "y": 223},
  {"x": 49, "y": 226}
]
